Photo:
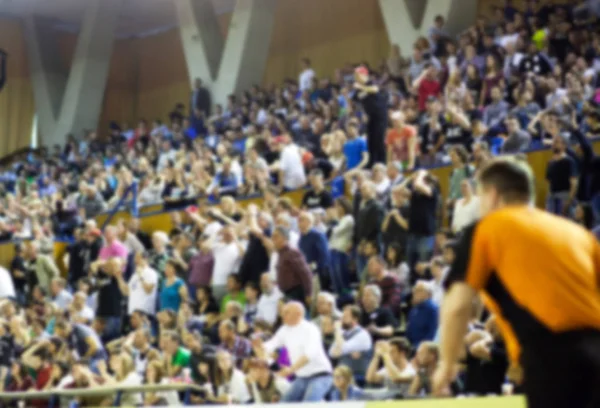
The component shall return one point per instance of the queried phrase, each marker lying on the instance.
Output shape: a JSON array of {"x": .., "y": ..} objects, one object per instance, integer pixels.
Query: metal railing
[{"x": 53, "y": 396}]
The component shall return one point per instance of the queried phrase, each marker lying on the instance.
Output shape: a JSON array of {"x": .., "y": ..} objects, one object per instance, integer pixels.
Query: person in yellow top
[{"x": 540, "y": 275}]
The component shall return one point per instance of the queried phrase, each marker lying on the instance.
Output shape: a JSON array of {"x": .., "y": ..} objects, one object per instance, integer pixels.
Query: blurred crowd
[{"x": 333, "y": 298}]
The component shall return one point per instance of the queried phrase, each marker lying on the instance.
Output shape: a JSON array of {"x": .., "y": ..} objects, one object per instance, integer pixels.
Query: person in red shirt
[
  {"x": 426, "y": 85},
  {"x": 401, "y": 141}
]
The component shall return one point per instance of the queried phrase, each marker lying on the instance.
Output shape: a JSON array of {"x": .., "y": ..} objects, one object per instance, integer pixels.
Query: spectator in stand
[
  {"x": 466, "y": 209},
  {"x": 374, "y": 103},
  {"x": 517, "y": 139},
  {"x": 315, "y": 248},
  {"x": 422, "y": 222},
  {"x": 294, "y": 277},
  {"x": 318, "y": 197},
  {"x": 59, "y": 295},
  {"x": 268, "y": 300},
  {"x": 306, "y": 76},
  {"x": 173, "y": 290},
  {"x": 265, "y": 386},
  {"x": 200, "y": 99},
  {"x": 396, "y": 372},
  {"x": 291, "y": 170},
  {"x": 426, "y": 85},
  {"x": 340, "y": 245},
  {"x": 561, "y": 176},
  {"x": 423, "y": 318},
  {"x": 43, "y": 266},
  {"x": 391, "y": 290},
  {"x": 378, "y": 320},
  {"x": 496, "y": 111},
  {"x": 368, "y": 221},
  {"x": 310, "y": 364},
  {"x": 401, "y": 141},
  {"x": 353, "y": 345},
  {"x": 238, "y": 347},
  {"x": 355, "y": 147}
]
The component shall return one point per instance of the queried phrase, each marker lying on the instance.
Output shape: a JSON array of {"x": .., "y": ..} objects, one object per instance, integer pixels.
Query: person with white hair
[
  {"x": 326, "y": 307},
  {"x": 309, "y": 362},
  {"x": 423, "y": 318},
  {"x": 269, "y": 299},
  {"x": 379, "y": 321}
]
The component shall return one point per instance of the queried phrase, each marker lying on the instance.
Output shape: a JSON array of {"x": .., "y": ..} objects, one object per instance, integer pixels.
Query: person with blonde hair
[
  {"x": 156, "y": 374},
  {"x": 344, "y": 387},
  {"x": 123, "y": 367}
]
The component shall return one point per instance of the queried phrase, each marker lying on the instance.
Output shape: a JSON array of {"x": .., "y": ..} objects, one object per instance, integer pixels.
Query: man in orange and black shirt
[{"x": 540, "y": 275}]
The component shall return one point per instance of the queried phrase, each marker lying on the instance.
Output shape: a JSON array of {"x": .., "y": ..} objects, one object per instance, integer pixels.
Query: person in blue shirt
[
  {"x": 423, "y": 318},
  {"x": 188, "y": 130},
  {"x": 173, "y": 290},
  {"x": 314, "y": 246},
  {"x": 355, "y": 149},
  {"x": 225, "y": 181}
]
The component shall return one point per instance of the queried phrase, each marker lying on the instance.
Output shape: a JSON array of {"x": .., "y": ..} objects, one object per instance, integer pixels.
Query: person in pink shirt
[{"x": 112, "y": 248}]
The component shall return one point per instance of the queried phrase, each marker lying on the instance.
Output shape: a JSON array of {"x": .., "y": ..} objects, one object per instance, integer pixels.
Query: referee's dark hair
[{"x": 512, "y": 179}]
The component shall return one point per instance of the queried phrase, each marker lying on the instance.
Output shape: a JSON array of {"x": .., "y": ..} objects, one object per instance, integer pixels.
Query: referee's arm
[{"x": 467, "y": 276}]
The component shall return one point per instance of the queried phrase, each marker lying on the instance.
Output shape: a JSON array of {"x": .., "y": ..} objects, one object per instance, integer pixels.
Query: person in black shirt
[
  {"x": 374, "y": 102},
  {"x": 22, "y": 278},
  {"x": 110, "y": 307},
  {"x": 422, "y": 220},
  {"x": 534, "y": 62},
  {"x": 78, "y": 252},
  {"x": 395, "y": 223},
  {"x": 318, "y": 196},
  {"x": 256, "y": 258},
  {"x": 379, "y": 321},
  {"x": 486, "y": 361},
  {"x": 457, "y": 129},
  {"x": 561, "y": 175}
]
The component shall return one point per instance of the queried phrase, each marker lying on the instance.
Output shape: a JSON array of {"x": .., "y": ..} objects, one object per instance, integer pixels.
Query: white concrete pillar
[
  {"x": 232, "y": 65},
  {"x": 70, "y": 102},
  {"x": 401, "y": 28}
]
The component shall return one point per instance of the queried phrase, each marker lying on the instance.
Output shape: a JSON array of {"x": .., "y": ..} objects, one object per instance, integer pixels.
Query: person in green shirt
[
  {"x": 177, "y": 356},
  {"x": 234, "y": 292}
]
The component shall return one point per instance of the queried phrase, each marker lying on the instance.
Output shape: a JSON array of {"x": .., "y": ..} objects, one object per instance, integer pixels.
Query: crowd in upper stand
[{"x": 334, "y": 298}]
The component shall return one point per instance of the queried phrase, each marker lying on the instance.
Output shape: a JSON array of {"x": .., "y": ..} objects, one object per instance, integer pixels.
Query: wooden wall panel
[{"x": 16, "y": 99}]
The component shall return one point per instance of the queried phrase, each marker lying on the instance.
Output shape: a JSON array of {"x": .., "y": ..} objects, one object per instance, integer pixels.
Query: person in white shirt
[
  {"x": 123, "y": 367},
  {"x": 439, "y": 272},
  {"x": 397, "y": 372},
  {"x": 59, "y": 295},
  {"x": 352, "y": 343},
  {"x": 269, "y": 299},
  {"x": 7, "y": 287},
  {"x": 142, "y": 287},
  {"x": 227, "y": 253},
  {"x": 79, "y": 311},
  {"x": 466, "y": 209},
  {"x": 231, "y": 382},
  {"x": 292, "y": 174},
  {"x": 305, "y": 78},
  {"x": 310, "y": 364}
]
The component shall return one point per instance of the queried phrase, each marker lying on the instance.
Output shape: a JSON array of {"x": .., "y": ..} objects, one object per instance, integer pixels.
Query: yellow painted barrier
[{"x": 487, "y": 402}]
